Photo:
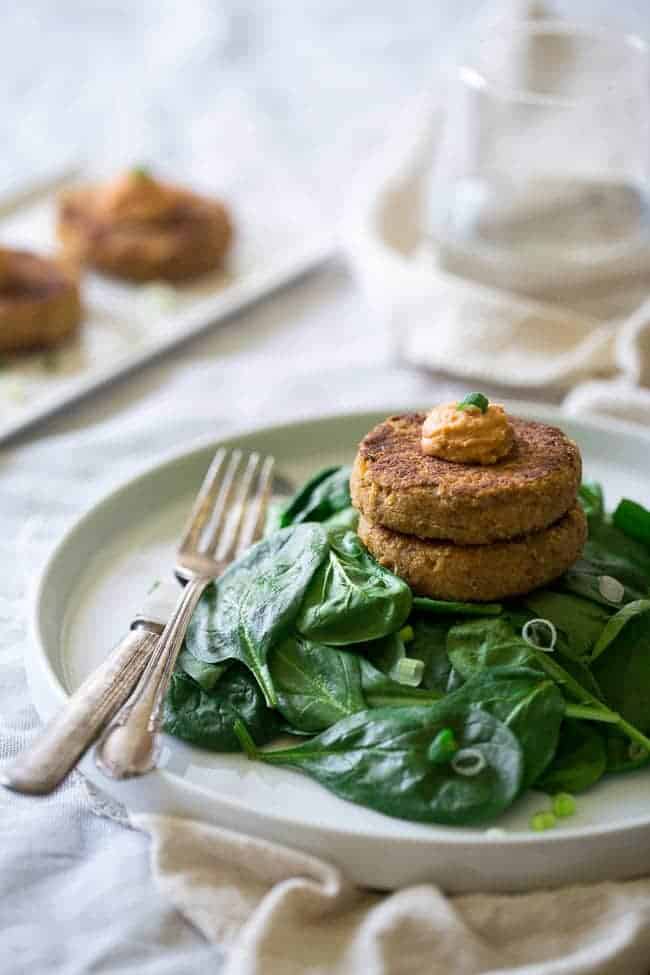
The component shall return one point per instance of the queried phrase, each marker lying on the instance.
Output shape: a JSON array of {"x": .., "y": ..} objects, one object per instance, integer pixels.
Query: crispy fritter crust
[
  {"x": 41, "y": 305},
  {"x": 395, "y": 485},
  {"x": 479, "y": 573},
  {"x": 191, "y": 240}
]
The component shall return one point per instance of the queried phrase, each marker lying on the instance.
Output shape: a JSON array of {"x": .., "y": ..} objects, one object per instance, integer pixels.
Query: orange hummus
[{"x": 467, "y": 436}]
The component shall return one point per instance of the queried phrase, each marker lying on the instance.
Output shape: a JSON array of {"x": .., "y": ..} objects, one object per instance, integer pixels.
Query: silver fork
[{"x": 224, "y": 521}]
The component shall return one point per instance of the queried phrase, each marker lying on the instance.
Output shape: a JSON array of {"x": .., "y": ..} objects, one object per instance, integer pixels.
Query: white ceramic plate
[{"x": 107, "y": 562}]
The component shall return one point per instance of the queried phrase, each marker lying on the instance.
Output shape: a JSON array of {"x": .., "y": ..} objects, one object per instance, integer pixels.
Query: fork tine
[
  {"x": 203, "y": 505},
  {"x": 221, "y": 507},
  {"x": 250, "y": 528},
  {"x": 228, "y": 546}
]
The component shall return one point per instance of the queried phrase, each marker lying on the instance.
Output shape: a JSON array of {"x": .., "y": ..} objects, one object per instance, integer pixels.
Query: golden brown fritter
[
  {"x": 144, "y": 230},
  {"x": 395, "y": 485},
  {"x": 479, "y": 573},
  {"x": 39, "y": 302}
]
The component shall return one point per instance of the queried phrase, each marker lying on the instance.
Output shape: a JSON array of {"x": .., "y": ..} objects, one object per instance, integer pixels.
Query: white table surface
[{"x": 294, "y": 93}]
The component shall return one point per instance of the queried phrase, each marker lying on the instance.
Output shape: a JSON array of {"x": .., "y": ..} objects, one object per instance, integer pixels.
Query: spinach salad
[{"x": 432, "y": 711}]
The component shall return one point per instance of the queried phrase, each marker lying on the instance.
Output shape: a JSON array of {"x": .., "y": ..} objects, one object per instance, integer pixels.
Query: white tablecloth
[{"x": 302, "y": 89}]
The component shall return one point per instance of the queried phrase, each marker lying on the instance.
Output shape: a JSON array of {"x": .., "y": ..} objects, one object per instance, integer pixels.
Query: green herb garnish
[
  {"x": 542, "y": 820},
  {"x": 474, "y": 401},
  {"x": 564, "y": 805},
  {"x": 140, "y": 172}
]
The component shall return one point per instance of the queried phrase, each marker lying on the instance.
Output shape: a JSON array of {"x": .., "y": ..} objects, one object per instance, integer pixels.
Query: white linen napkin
[
  {"x": 551, "y": 331},
  {"x": 277, "y": 911}
]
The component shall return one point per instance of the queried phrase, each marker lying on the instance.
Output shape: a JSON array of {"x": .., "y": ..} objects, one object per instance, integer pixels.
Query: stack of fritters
[{"x": 470, "y": 531}]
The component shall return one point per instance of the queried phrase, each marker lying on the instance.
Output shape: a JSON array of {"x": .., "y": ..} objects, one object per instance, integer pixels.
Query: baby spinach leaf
[
  {"x": 352, "y": 598},
  {"x": 385, "y": 653},
  {"x": 472, "y": 647},
  {"x": 272, "y": 519},
  {"x": 206, "y": 675},
  {"x": 380, "y": 759},
  {"x": 380, "y": 690},
  {"x": 616, "y": 623},
  {"x": 584, "y": 579},
  {"x": 442, "y": 607},
  {"x": 429, "y": 644},
  {"x": 612, "y": 553},
  {"x": 324, "y": 494},
  {"x": 316, "y": 685},
  {"x": 254, "y": 603},
  {"x": 622, "y": 755},
  {"x": 207, "y": 717},
  {"x": 527, "y": 702},
  {"x": 623, "y": 667},
  {"x": 580, "y": 760},
  {"x": 591, "y": 498},
  {"x": 579, "y": 622},
  {"x": 346, "y": 518},
  {"x": 633, "y": 520}
]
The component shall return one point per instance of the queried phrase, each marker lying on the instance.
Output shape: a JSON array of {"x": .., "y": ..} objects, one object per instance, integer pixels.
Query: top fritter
[{"x": 398, "y": 486}]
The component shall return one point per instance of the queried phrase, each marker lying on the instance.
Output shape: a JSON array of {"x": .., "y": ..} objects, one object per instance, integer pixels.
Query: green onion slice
[
  {"x": 408, "y": 671},
  {"x": 474, "y": 401},
  {"x": 541, "y": 634},
  {"x": 468, "y": 761}
]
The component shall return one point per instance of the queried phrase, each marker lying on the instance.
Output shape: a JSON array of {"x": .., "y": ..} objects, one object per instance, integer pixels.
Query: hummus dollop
[
  {"x": 136, "y": 196},
  {"x": 469, "y": 435}
]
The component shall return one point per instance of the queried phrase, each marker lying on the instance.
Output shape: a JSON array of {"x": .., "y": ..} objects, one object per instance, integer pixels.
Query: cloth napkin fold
[
  {"x": 281, "y": 912},
  {"x": 551, "y": 328}
]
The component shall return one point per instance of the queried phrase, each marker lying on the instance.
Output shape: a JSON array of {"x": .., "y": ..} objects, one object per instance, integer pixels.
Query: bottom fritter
[{"x": 479, "y": 573}]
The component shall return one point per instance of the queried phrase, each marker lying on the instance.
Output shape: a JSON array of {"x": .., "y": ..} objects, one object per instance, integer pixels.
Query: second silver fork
[{"x": 225, "y": 519}]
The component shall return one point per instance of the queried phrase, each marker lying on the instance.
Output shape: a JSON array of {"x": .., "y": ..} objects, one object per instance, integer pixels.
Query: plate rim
[{"x": 37, "y": 652}]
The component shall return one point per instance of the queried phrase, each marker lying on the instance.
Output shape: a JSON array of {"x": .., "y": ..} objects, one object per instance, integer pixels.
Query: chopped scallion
[
  {"x": 541, "y": 634},
  {"x": 564, "y": 805},
  {"x": 474, "y": 401},
  {"x": 408, "y": 671},
  {"x": 542, "y": 820},
  {"x": 443, "y": 747},
  {"x": 468, "y": 761}
]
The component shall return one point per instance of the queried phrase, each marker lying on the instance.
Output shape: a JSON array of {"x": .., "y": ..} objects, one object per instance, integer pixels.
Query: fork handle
[
  {"x": 45, "y": 763},
  {"x": 129, "y": 746}
]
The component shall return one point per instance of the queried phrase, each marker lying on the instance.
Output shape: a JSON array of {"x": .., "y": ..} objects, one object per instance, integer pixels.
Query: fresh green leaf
[
  {"x": 579, "y": 622},
  {"x": 623, "y": 755},
  {"x": 633, "y": 520},
  {"x": 346, "y": 518},
  {"x": 255, "y": 602},
  {"x": 472, "y": 647},
  {"x": 206, "y": 675},
  {"x": 442, "y": 607},
  {"x": 429, "y": 644},
  {"x": 325, "y": 494},
  {"x": 527, "y": 702},
  {"x": 580, "y": 760},
  {"x": 616, "y": 623},
  {"x": 612, "y": 553},
  {"x": 207, "y": 718},
  {"x": 380, "y": 759},
  {"x": 474, "y": 401},
  {"x": 623, "y": 667},
  {"x": 351, "y": 597},
  {"x": 585, "y": 579},
  {"x": 316, "y": 685},
  {"x": 590, "y": 496},
  {"x": 272, "y": 519},
  {"x": 380, "y": 690}
]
